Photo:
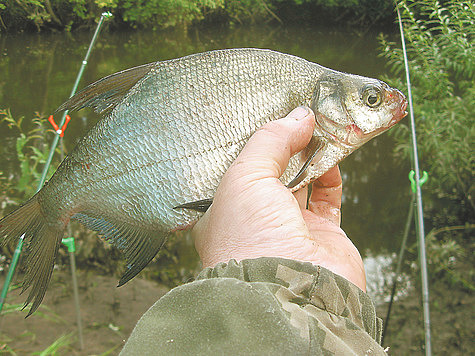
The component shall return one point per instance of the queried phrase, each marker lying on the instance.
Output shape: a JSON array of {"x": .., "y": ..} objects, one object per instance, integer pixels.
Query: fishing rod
[
  {"x": 403, "y": 247},
  {"x": 416, "y": 182},
  {"x": 399, "y": 265},
  {"x": 73, "y": 91},
  {"x": 60, "y": 133}
]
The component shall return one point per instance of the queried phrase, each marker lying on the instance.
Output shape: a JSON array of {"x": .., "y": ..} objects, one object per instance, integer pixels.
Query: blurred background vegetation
[
  {"x": 439, "y": 40},
  {"x": 442, "y": 67},
  {"x": 66, "y": 15}
]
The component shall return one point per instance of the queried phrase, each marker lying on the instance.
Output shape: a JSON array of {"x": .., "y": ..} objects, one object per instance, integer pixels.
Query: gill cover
[{"x": 329, "y": 108}]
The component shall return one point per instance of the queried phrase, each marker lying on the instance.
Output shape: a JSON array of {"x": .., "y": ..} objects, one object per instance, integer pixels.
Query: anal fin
[{"x": 139, "y": 245}]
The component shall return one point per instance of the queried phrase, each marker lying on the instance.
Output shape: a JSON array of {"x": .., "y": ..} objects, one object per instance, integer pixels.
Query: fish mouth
[{"x": 398, "y": 101}]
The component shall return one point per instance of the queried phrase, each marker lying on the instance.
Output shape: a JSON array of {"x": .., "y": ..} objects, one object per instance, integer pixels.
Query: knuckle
[{"x": 273, "y": 129}]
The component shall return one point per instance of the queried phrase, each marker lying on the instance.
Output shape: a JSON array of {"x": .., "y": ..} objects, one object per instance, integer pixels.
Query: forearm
[{"x": 260, "y": 306}]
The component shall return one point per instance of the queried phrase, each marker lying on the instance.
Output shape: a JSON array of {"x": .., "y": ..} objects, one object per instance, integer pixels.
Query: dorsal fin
[{"x": 107, "y": 92}]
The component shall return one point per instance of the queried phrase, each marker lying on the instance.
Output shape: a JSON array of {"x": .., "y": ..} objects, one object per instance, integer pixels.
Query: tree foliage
[
  {"x": 439, "y": 39},
  {"x": 72, "y": 14}
]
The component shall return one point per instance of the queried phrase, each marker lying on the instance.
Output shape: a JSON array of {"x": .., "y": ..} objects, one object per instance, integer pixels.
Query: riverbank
[
  {"x": 69, "y": 15},
  {"x": 108, "y": 314},
  {"x": 451, "y": 314}
]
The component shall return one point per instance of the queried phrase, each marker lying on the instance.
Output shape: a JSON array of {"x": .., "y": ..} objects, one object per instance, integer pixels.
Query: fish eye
[{"x": 372, "y": 97}]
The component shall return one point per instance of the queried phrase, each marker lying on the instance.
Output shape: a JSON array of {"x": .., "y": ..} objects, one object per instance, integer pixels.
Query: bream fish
[{"x": 153, "y": 163}]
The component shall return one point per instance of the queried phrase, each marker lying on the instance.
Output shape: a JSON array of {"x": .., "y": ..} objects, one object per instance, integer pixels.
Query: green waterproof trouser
[{"x": 264, "y": 306}]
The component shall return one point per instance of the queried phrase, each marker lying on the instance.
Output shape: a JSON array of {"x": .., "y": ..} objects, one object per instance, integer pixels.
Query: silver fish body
[{"x": 173, "y": 129}]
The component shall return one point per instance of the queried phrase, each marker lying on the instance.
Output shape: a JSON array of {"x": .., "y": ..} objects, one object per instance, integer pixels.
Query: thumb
[{"x": 268, "y": 151}]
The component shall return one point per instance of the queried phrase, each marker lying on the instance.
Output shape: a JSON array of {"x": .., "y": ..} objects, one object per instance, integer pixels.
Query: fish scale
[{"x": 171, "y": 131}]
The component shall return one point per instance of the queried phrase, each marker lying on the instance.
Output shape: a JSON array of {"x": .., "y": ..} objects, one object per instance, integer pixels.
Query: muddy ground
[
  {"x": 452, "y": 323},
  {"x": 109, "y": 314}
]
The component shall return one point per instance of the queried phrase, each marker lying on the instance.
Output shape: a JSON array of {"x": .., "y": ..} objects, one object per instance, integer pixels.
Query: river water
[{"x": 37, "y": 73}]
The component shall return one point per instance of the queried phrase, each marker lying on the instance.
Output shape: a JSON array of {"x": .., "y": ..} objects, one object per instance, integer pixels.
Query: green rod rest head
[
  {"x": 422, "y": 180},
  {"x": 69, "y": 242}
]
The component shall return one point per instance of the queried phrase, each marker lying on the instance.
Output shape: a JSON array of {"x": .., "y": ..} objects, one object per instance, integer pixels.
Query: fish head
[{"x": 352, "y": 110}]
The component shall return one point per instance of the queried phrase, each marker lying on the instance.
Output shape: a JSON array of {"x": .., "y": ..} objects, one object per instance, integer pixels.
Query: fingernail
[{"x": 299, "y": 113}]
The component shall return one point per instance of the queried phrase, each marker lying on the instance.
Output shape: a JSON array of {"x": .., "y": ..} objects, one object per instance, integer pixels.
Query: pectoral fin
[
  {"x": 199, "y": 205},
  {"x": 315, "y": 145}
]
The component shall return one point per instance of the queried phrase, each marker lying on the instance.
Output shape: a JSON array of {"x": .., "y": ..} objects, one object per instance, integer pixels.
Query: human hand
[{"x": 254, "y": 215}]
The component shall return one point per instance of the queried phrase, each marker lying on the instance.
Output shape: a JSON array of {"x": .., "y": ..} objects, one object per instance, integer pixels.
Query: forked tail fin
[{"x": 42, "y": 241}]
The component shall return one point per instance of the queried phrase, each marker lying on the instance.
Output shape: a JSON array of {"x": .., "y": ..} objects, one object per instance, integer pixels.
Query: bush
[
  {"x": 165, "y": 13},
  {"x": 31, "y": 154},
  {"x": 71, "y": 14},
  {"x": 439, "y": 40}
]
